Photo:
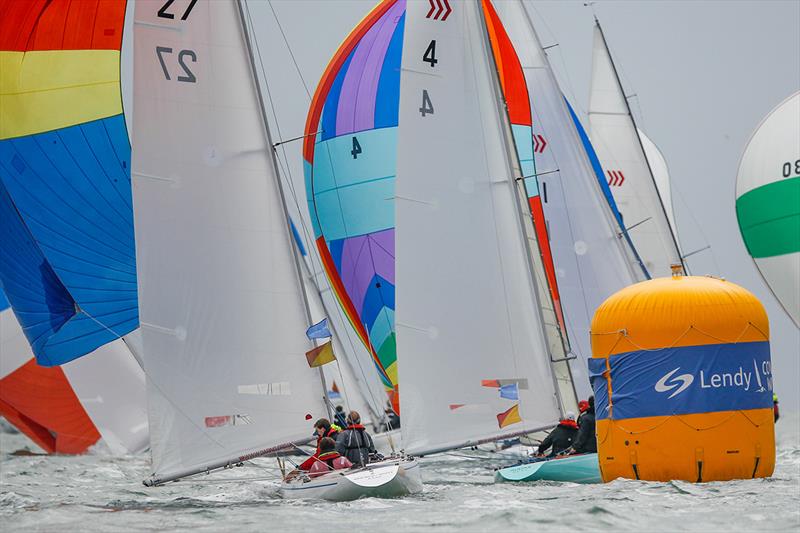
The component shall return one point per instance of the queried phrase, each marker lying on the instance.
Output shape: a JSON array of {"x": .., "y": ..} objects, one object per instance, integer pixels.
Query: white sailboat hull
[{"x": 386, "y": 479}]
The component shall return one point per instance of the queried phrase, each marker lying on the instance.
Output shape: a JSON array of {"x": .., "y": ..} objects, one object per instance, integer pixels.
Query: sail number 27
[{"x": 188, "y": 75}]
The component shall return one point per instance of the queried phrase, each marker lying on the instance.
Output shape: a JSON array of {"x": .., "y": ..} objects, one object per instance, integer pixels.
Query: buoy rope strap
[
  {"x": 624, "y": 334},
  {"x": 681, "y": 418},
  {"x": 619, "y": 425}
]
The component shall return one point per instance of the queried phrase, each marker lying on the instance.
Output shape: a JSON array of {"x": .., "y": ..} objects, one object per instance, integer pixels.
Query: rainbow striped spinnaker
[{"x": 350, "y": 163}]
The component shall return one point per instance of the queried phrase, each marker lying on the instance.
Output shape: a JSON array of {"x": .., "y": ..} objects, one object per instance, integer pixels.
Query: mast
[
  {"x": 525, "y": 222},
  {"x": 641, "y": 145},
  {"x": 276, "y": 169}
]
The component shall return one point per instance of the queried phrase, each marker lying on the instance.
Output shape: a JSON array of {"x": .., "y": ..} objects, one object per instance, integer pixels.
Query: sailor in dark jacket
[
  {"x": 561, "y": 437},
  {"x": 354, "y": 442},
  {"x": 586, "y": 441}
]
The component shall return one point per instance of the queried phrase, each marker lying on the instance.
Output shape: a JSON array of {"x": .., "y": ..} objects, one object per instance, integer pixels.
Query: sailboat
[
  {"x": 628, "y": 169},
  {"x": 768, "y": 202},
  {"x": 223, "y": 310},
  {"x": 67, "y": 261},
  {"x": 475, "y": 361},
  {"x": 591, "y": 248}
]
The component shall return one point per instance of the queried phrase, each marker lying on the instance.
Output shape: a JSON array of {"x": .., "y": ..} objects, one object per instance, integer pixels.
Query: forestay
[
  {"x": 472, "y": 355},
  {"x": 627, "y": 169},
  {"x": 591, "y": 255},
  {"x": 222, "y": 309}
]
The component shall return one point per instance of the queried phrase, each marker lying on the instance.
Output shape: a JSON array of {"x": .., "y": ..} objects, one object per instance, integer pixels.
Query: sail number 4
[
  {"x": 788, "y": 167},
  {"x": 356, "y": 149},
  {"x": 427, "y": 105}
]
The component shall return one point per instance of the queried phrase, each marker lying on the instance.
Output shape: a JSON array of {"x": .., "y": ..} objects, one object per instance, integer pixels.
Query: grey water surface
[{"x": 97, "y": 492}]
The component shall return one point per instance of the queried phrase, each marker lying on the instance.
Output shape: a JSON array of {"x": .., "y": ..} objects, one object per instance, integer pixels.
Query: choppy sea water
[{"x": 100, "y": 493}]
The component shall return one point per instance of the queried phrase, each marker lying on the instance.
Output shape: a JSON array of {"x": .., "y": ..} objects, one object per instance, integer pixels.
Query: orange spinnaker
[{"x": 40, "y": 402}]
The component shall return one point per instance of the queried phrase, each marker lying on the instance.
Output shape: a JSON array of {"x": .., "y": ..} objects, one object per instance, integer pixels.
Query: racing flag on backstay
[
  {"x": 320, "y": 355},
  {"x": 319, "y": 330}
]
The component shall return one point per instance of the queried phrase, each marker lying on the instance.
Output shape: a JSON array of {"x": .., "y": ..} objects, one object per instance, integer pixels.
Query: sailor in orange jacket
[
  {"x": 322, "y": 428},
  {"x": 561, "y": 437}
]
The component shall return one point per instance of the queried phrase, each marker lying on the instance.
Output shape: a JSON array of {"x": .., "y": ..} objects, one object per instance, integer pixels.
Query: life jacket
[
  {"x": 311, "y": 461},
  {"x": 326, "y": 462},
  {"x": 329, "y": 458},
  {"x": 360, "y": 442}
]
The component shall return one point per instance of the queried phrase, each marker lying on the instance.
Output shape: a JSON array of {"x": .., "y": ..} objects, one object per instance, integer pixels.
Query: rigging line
[
  {"x": 570, "y": 85},
  {"x": 290, "y": 182},
  {"x": 344, "y": 389},
  {"x": 698, "y": 226},
  {"x": 289, "y": 48}
]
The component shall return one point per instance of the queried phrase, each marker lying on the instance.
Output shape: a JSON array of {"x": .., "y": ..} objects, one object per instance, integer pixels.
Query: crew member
[
  {"x": 322, "y": 428},
  {"x": 561, "y": 437},
  {"x": 354, "y": 442},
  {"x": 586, "y": 441},
  {"x": 329, "y": 459}
]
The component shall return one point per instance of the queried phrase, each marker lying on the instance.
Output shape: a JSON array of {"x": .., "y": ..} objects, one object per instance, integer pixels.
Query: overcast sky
[{"x": 704, "y": 75}]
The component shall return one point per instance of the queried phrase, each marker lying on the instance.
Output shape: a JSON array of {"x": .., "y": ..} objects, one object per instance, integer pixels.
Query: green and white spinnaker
[{"x": 768, "y": 202}]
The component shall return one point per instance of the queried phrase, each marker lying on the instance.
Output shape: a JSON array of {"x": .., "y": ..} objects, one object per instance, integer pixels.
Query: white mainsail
[
  {"x": 627, "y": 168},
  {"x": 591, "y": 255},
  {"x": 768, "y": 202},
  {"x": 223, "y": 315},
  {"x": 468, "y": 320}
]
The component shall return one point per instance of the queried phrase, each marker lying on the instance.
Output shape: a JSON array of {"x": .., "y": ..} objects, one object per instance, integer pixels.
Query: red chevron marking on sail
[
  {"x": 449, "y": 10},
  {"x": 433, "y": 7},
  {"x": 615, "y": 178},
  {"x": 539, "y": 143},
  {"x": 439, "y": 8}
]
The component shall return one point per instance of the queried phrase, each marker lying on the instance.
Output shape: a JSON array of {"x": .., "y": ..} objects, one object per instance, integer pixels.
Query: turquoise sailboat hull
[{"x": 582, "y": 468}]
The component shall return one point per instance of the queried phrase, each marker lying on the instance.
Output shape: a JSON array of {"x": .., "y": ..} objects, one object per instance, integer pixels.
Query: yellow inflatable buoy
[{"x": 682, "y": 379}]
